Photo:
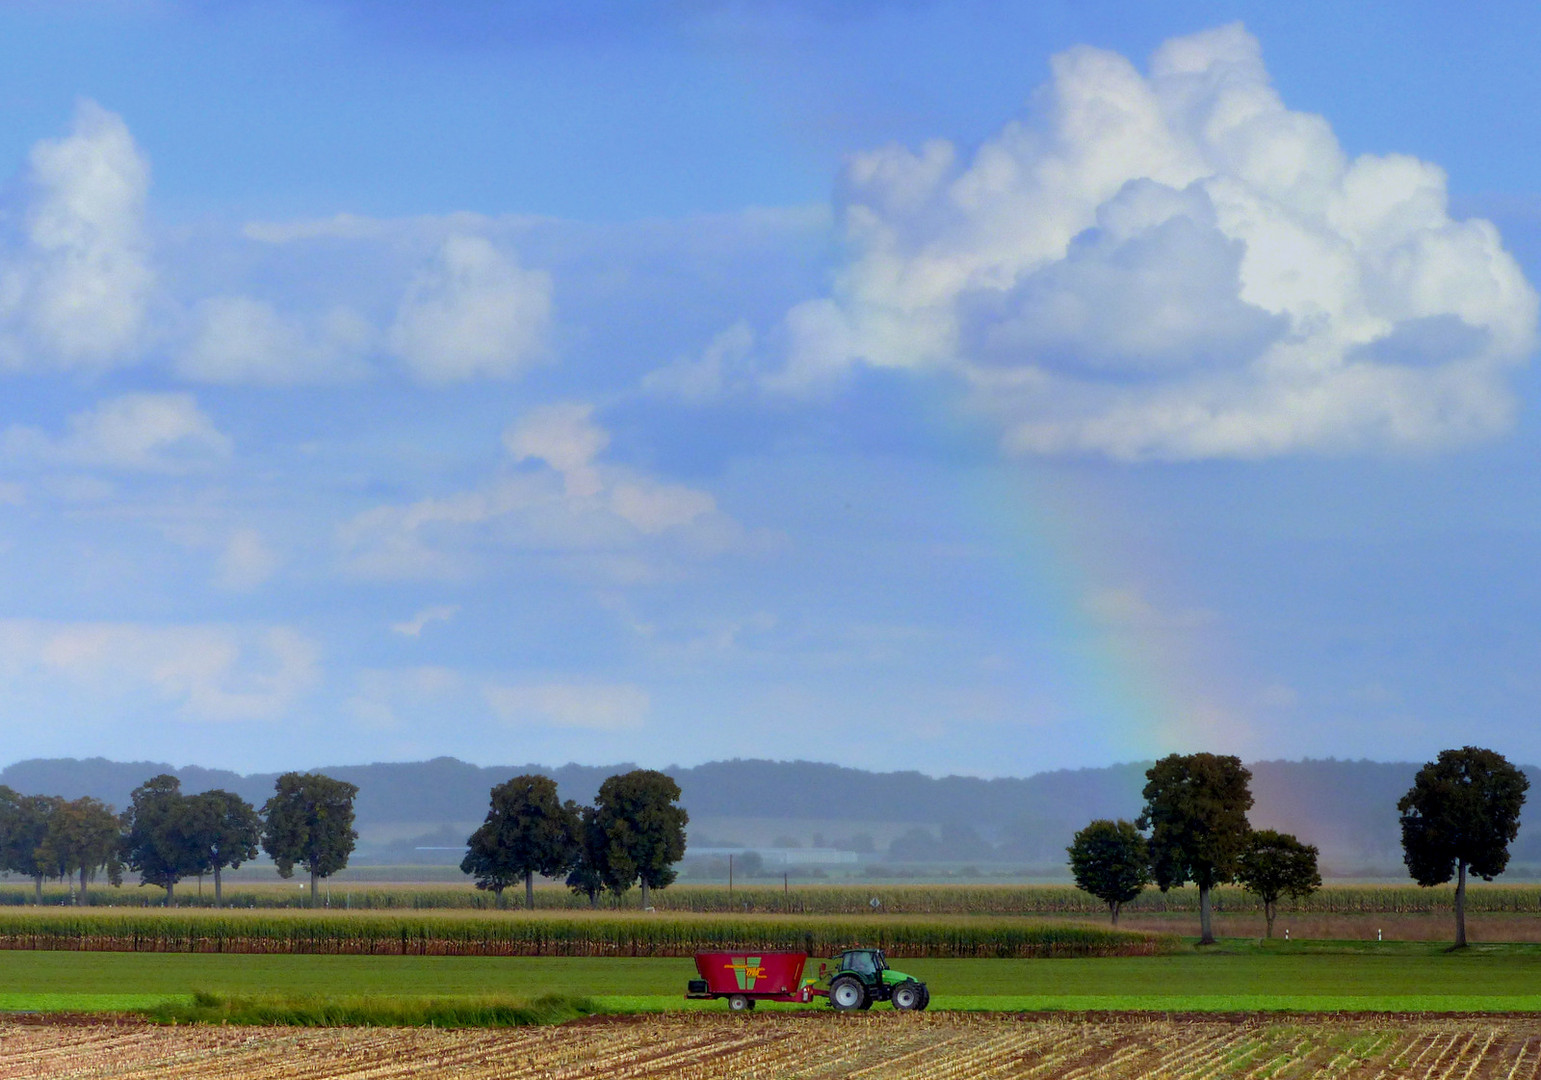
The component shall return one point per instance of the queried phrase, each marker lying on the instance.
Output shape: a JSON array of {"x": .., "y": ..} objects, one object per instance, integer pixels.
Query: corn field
[
  {"x": 811, "y": 1045},
  {"x": 550, "y": 934},
  {"x": 831, "y": 899}
]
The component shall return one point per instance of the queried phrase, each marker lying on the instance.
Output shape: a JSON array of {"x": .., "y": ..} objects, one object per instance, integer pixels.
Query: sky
[{"x": 968, "y": 387}]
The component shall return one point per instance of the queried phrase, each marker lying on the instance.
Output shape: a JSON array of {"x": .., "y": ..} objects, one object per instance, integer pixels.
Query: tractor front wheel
[
  {"x": 847, "y": 993},
  {"x": 908, "y": 996}
]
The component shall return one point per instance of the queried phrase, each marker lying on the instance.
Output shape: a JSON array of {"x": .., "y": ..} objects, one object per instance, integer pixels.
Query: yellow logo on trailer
[{"x": 747, "y": 971}]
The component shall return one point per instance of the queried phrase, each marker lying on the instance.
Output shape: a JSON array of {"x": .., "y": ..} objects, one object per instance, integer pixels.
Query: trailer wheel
[
  {"x": 847, "y": 993},
  {"x": 740, "y": 1003},
  {"x": 907, "y": 996}
]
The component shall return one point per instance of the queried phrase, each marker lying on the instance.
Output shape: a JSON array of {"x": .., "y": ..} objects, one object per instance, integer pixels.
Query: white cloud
[
  {"x": 246, "y": 561},
  {"x": 240, "y": 340},
  {"x": 579, "y": 705},
  {"x": 383, "y": 696},
  {"x": 413, "y": 627},
  {"x": 1175, "y": 266},
  {"x": 134, "y": 432},
  {"x": 75, "y": 287},
  {"x": 213, "y": 673},
  {"x": 475, "y": 312},
  {"x": 569, "y": 503},
  {"x": 724, "y": 366}
]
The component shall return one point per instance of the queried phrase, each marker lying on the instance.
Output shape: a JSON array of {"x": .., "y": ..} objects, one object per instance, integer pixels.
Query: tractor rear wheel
[
  {"x": 847, "y": 993},
  {"x": 740, "y": 1003},
  {"x": 908, "y": 996}
]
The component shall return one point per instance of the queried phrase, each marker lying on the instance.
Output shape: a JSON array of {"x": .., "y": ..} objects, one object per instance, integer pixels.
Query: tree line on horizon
[
  {"x": 1460, "y": 816},
  {"x": 165, "y": 836},
  {"x": 633, "y": 832}
]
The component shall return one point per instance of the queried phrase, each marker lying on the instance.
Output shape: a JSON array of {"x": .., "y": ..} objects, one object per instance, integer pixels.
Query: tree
[
  {"x": 309, "y": 822},
  {"x": 527, "y": 831},
  {"x": 1461, "y": 814},
  {"x": 1110, "y": 860},
  {"x": 156, "y": 834},
  {"x": 1196, "y": 810},
  {"x": 82, "y": 837},
  {"x": 1275, "y": 865},
  {"x": 643, "y": 827},
  {"x": 23, "y": 827},
  {"x": 590, "y": 873},
  {"x": 224, "y": 830}
]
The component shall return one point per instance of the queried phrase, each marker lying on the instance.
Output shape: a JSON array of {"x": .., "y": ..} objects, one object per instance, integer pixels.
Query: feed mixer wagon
[{"x": 861, "y": 977}]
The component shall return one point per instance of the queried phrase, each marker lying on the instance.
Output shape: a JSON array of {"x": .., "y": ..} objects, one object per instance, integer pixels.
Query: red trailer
[{"x": 744, "y": 978}]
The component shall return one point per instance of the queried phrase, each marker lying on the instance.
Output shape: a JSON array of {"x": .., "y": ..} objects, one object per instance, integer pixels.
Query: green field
[{"x": 1297, "y": 976}]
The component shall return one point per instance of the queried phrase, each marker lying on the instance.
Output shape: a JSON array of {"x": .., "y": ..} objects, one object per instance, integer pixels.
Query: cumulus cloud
[
  {"x": 76, "y": 279},
  {"x": 579, "y": 705},
  {"x": 241, "y": 340},
  {"x": 564, "y": 500},
  {"x": 474, "y": 312},
  {"x": 145, "y": 432},
  {"x": 1174, "y": 265},
  {"x": 413, "y": 627},
  {"x": 245, "y": 562},
  {"x": 724, "y": 366},
  {"x": 212, "y": 673}
]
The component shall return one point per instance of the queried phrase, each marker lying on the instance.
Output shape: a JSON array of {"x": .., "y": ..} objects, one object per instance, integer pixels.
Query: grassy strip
[
  {"x": 553, "y": 934},
  {"x": 312, "y": 1010}
]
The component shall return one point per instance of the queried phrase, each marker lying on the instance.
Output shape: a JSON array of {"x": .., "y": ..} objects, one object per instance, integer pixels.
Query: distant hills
[{"x": 1346, "y": 808}]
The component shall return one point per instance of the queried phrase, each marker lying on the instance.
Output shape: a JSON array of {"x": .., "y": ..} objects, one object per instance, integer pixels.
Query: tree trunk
[
  {"x": 37, "y": 882},
  {"x": 219, "y": 898},
  {"x": 1270, "y": 909},
  {"x": 82, "y": 886},
  {"x": 170, "y": 885},
  {"x": 497, "y": 897},
  {"x": 1113, "y": 906},
  {"x": 315, "y": 887},
  {"x": 529, "y": 890},
  {"x": 644, "y": 894},
  {"x": 1460, "y": 905},
  {"x": 1206, "y": 925}
]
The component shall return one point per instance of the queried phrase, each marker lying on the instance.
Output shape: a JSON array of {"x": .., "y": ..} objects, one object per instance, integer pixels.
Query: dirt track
[{"x": 706, "y": 1047}]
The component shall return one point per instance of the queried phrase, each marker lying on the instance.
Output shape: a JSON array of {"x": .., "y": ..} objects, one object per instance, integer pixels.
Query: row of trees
[
  {"x": 633, "y": 833},
  {"x": 165, "y": 836},
  {"x": 1460, "y": 816}
]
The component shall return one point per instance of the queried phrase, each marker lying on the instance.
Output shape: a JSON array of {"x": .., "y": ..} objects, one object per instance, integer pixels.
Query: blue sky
[{"x": 967, "y": 387}]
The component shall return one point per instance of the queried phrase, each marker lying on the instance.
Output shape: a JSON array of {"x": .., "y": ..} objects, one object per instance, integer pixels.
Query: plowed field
[{"x": 707, "y": 1047}]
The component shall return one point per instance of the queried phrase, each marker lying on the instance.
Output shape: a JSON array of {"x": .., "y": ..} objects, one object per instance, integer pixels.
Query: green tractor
[{"x": 862, "y": 976}]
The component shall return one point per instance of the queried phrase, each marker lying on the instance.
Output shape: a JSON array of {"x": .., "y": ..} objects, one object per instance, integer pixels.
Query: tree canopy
[
  {"x": 224, "y": 831},
  {"x": 156, "y": 842},
  {"x": 1461, "y": 814},
  {"x": 1274, "y": 865},
  {"x": 643, "y": 829},
  {"x": 1110, "y": 860},
  {"x": 528, "y": 831},
  {"x": 82, "y": 837},
  {"x": 309, "y": 823},
  {"x": 1196, "y": 810}
]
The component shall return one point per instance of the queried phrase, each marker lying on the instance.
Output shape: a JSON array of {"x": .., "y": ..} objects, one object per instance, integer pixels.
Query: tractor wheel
[
  {"x": 925, "y": 997},
  {"x": 847, "y": 993},
  {"x": 907, "y": 996},
  {"x": 740, "y": 1003}
]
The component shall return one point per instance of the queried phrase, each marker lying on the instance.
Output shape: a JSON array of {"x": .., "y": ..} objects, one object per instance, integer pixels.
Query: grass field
[
  {"x": 1298, "y": 976},
  {"x": 948, "y": 1046}
]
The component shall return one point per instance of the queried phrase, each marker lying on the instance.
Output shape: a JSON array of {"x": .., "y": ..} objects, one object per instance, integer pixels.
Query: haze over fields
[
  {"x": 416, "y": 813},
  {"x": 973, "y": 387}
]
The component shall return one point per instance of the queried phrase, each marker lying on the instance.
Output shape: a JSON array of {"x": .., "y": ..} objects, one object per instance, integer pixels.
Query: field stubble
[{"x": 709, "y": 1047}]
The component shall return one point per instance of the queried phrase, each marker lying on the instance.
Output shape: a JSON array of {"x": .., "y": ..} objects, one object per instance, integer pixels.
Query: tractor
[{"x": 862, "y": 976}]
